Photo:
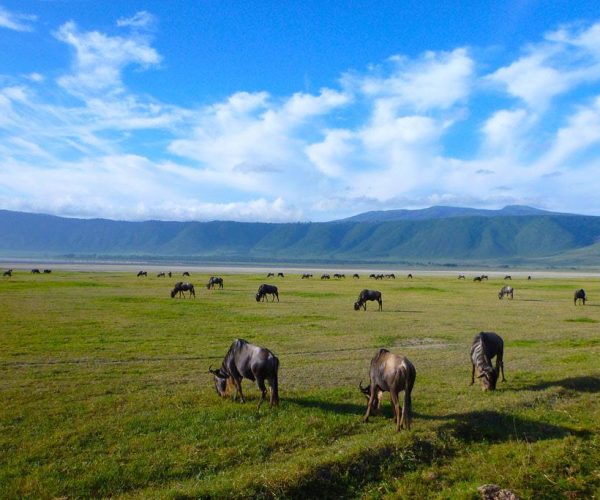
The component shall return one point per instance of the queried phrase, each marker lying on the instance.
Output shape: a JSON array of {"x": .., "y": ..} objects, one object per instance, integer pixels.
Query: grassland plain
[{"x": 105, "y": 391}]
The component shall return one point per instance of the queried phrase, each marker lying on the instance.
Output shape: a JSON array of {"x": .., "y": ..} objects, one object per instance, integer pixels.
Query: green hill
[{"x": 544, "y": 239}]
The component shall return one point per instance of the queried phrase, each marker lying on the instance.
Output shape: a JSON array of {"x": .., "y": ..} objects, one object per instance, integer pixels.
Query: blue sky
[{"x": 297, "y": 111}]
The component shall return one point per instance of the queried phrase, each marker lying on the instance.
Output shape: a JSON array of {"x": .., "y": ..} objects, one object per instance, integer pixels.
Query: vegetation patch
[{"x": 582, "y": 320}]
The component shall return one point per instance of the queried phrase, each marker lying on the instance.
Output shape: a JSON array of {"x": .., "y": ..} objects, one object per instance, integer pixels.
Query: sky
[{"x": 298, "y": 110}]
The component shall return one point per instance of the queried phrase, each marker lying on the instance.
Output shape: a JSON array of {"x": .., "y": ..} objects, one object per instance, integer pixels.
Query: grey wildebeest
[
  {"x": 355, "y": 276},
  {"x": 461, "y": 277},
  {"x": 142, "y": 273},
  {"x": 477, "y": 278},
  {"x": 393, "y": 373},
  {"x": 508, "y": 277},
  {"x": 269, "y": 275},
  {"x": 366, "y": 295},
  {"x": 160, "y": 275},
  {"x": 325, "y": 276},
  {"x": 244, "y": 360},
  {"x": 506, "y": 290},
  {"x": 180, "y": 288},
  {"x": 47, "y": 271},
  {"x": 580, "y": 295},
  {"x": 264, "y": 290},
  {"x": 185, "y": 273},
  {"x": 306, "y": 276},
  {"x": 35, "y": 271},
  {"x": 280, "y": 275},
  {"x": 8, "y": 273},
  {"x": 485, "y": 346},
  {"x": 214, "y": 281}
]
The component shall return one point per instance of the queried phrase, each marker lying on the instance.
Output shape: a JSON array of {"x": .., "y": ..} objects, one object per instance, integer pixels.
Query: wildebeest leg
[
  {"x": 372, "y": 396},
  {"x": 472, "y": 375},
  {"x": 260, "y": 382},
  {"x": 238, "y": 389},
  {"x": 380, "y": 304},
  {"x": 277, "y": 295},
  {"x": 396, "y": 406},
  {"x": 500, "y": 366}
]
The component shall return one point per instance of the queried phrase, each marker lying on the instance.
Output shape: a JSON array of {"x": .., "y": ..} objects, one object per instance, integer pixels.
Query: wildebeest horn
[{"x": 210, "y": 370}]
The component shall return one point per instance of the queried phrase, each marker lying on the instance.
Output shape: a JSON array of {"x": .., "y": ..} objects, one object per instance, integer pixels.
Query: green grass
[{"x": 105, "y": 390}]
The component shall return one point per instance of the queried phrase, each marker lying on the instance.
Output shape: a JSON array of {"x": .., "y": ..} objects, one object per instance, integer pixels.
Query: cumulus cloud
[
  {"x": 141, "y": 19},
  {"x": 16, "y": 22}
]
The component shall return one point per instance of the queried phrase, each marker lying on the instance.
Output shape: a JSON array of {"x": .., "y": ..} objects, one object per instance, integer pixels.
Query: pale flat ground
[{"x": 316, "y": 270}]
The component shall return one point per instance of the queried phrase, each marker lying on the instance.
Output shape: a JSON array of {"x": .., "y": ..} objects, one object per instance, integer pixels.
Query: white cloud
[
  {"x": 16, "y": 22},
  {"x": 141, "y": 19}
]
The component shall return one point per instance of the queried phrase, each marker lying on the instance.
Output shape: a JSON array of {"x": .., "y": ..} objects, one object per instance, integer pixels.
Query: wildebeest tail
[{"x": 407, "y": 407}]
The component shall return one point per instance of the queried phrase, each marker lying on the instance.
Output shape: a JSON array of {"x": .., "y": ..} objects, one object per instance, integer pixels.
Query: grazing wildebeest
[
  {"x": 484, "y": 277},
  {"x": 47, "y": 271},
  {"x": 306, "y": 276},
  {"x": 181, "y": 287},
  {"x": 214, "y": 281},
  {"x": 366, "y": 295},
  {"x": 160, "y": 275},
  {"x": 185, "y": 273},
  {"x": 356, "y": 276},
  {"x": 142, "y": 273},
  {"x": 8, "y": 273},
  {"x": 379, "y": 277},
  {"x": 372, "y": 276},
  {"x": 409, "y": 276},
  {"x": 508, "y": 277},
  {"x": 580, "y": 295},
  {"x": 393, "y": 373},
  {"x": 35, "y": 271},
  {"x": 461, "y": 277},
  {"x": 244, "y": 360},
  {"x": 506, "y": 290},
  {"x": 270, "y": 275},
  {"x": 477, "y": 278},
  {"x": 392, "y": 276},
  {"x": 264, "y": 290},
  {"x": 529, "y": 277},
  {"x": 485, "y": 346},
  {"x": 280, "y": 275},
  {"x": 169, "y": 274},
  {"x": 325, "y": 276}
]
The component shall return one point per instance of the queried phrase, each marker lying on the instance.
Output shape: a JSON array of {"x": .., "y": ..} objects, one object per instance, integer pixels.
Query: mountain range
[{"x": 451, "y": 236}]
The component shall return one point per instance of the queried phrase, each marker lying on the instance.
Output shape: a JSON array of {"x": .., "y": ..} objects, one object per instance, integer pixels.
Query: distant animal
[
  {"x": 372, "y": 276},
  {"x": 506, "y": 290},
  {"x": 142, "y": 273},
  {"x": 214, "y": 281},
  {"x": 245, "y": 360},
  {"x": 379, "y": 276},
  {"x": 8, "y": 273},
  {"x": 270, "y": 275},
  {"x": 477, "y": 278},
  {"x": 409, "y": 276},
  {"x": 393, "y": 276},
  {"x": 169, "y": 274},
  {"x": 461, "y": 277},
  {"x": 180, "y": 288},
  {"x": 393, "y": 373},
  {"x": 484, "y": 347},
  {"x": 339, "y": 276},
  {"x": 306, "y": 276},
  {"x": 355, "y": 276},
  {"x": 529, "y": 277},
  {"x": 185, "y": 273},
  {"x": 366, "y": 295},
  {"x": 47, "y": 271},
  {"x": 508, "y": 277},
  {"x": 484, "y": 277},
  {"x": 325, "y": 276},
  {"x": 580, "y": 296},
  {"x": 264, "y": 290},
  {"x": 160, "y": 275},
  {"x": 280, "y": 275},
  {"x": 35, "y": 271}
]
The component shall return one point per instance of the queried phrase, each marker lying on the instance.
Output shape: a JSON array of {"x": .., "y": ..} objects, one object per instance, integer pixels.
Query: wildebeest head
[
  {"x": 222, "y": 382},
  {"x": 258, "y": 296},
  {"x": 489, "y": 377},
  {"x": 367, "y": 392},
  {"x": 356, "y": 306}
]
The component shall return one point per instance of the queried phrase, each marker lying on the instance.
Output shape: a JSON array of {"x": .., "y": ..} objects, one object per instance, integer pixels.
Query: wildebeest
[
  {"x": 280, "y": 275},
  {"x": 244, "y": 360},
  {"x": 508, "y": 277},
  {"x": 180, "y": 288},
  {"x": 580, "y": 295},
  {"x": 142, "y": 273},
  {"x": 339, "y": 276},
  {"x": 366, "y": 295},
  {"x": 47, "y": 271},
  {"x": 356, "y": 276},
  {"x": 485, "y": 346},
  {"x": 8, "y": 273},
  {"x": 160, "y": 275},
  {"x": 506, "y": 290},
  {"x": 325, "y": 276},
  {"x": 461, "y": 277},
  {"x": 306, "y": 276},
  {"x": 477, "y": 278},
  {"x": 409, "y": 276},
  {"x": 529, "y": 277},
  {"x": 214, "y": 281},
  {"x": 35, "y": 271},
  {"x": 484, "y": 277},
  {"x": 270, "y": 275},
  {"x": 185, "y": 273},
  {"x": 169, "y": 274},
  {"x": 392, "y": 276},
  {"x": 264, "y": 290},
  {"x": 393, "y": 373}
]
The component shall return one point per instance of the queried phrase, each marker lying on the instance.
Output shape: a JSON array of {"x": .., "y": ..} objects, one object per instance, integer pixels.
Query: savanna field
[{"x": 105, "y": 390}]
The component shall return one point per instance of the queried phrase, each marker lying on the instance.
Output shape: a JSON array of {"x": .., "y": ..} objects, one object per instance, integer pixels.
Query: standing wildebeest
[
  {"x": 461, "y": 277},
  {"x": 8, "y": 273},
  {"x": 484, "y": 277},
  {"x": 529, "y": 278},
  {"x": 160, "y": 275},
  {"x": 270, "y": 275},
  {"x": 325, "y": 276},
  {"x": 142, "y": 273},
  {"x": 393, "y": 373},
  {"x": 47, "y": 271},
  {"x": 306, "y": 276},
  {"x": 264, "y": 290},
  {"x": 506, "y": 290},
  {"x": 485, "y": 346},
  {"x": 214, "y": 281},
  {"x": 185, "y": 273},
  {"x": 181, "y": 287},
  {"x": 508, "y": 277},
  {"x": 35, "y": 271},
  {"x": 477, "y": 278},
  {"x": 170, "y": 274},
  {"x": 409, "y": 276},
  {"x": 355, "y": 276},
  {"x": 366, "y": 295},
  {"x": 580, "y": 295},
  {"x": 244, "y": 360},
  {"x": 280, "y": 275}
]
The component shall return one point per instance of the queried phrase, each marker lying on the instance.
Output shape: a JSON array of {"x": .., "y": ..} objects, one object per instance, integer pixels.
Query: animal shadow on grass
[
  {"x": 329, "y": 406},
  {"x": 581, "y": 384},
  {"x": 492, "y": 426}
]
